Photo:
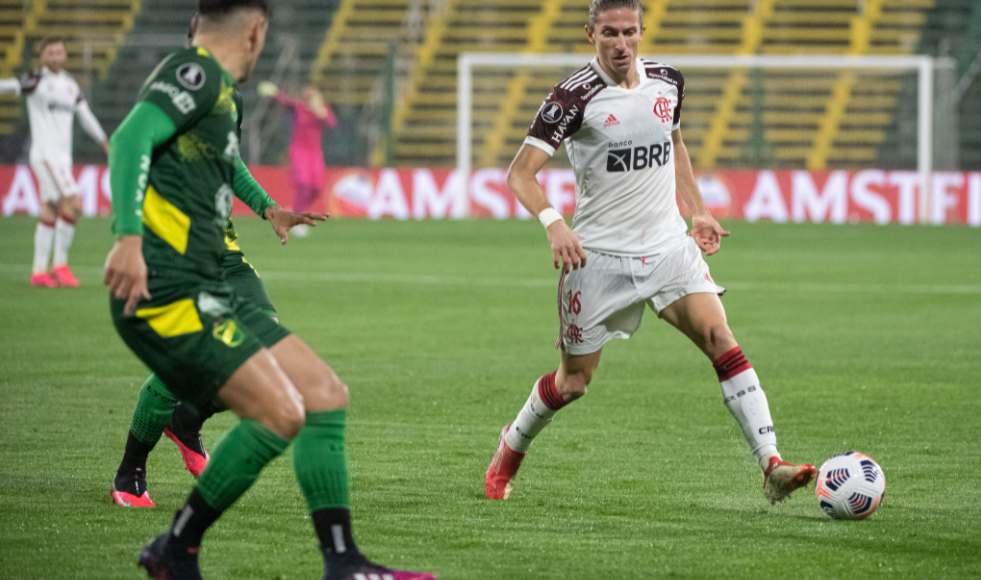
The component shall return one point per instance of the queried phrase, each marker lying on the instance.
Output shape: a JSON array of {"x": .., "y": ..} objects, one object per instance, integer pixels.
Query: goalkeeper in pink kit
[{"x": 310, "y": 117}]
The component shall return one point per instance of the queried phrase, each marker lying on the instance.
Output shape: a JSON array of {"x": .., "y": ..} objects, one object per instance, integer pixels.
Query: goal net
[{"x": 774, "y": 113}]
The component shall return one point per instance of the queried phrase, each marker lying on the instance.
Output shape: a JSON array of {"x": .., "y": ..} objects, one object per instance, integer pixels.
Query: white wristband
[{"x": 549, "y": 216}]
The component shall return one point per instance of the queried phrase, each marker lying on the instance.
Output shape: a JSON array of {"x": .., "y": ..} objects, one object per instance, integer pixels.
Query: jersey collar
[
  {"x": 595, "y": 65},
  {"x": 225, "y": 75}
]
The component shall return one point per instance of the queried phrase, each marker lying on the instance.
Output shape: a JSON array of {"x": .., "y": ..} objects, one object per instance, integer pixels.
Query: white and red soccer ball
[{"x": 850, "y": 486}]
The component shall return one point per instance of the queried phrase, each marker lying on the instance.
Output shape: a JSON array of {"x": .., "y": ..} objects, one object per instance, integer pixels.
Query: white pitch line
[{"x": 17, "y": 270}]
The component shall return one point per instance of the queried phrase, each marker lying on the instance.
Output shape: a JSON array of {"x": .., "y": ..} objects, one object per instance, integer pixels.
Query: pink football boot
[{"x": 497, "y": 480}]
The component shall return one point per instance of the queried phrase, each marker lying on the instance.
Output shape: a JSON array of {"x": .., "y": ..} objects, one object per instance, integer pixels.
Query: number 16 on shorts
[
  {"x": 573, "y": 303},
  {"x": 571, "y": 306}
]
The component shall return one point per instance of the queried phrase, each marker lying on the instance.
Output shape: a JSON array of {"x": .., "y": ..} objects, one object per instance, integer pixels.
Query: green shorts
[
  {"x": 195, "y": 338},
  {"x": 245, "y": 281}
]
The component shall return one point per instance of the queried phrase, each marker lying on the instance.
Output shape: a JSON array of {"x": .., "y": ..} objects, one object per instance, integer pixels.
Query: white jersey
[
  {"x": 619, "y": 143},
  {"x": 52, "y": 101}
]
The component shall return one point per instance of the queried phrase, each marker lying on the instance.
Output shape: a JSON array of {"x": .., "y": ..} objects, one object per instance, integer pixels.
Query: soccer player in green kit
[
  {"x": 174, "y": 161},
  {"x": 158, "y": 411}
]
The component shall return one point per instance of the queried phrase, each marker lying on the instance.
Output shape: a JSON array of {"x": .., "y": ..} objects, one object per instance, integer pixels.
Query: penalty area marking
[{"x": 18, "y": 271}]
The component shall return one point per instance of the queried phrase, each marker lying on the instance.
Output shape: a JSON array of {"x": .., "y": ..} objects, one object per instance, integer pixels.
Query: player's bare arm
[
  {"x": 567, "y": 252},
  {"x": 705, "y": 230}
]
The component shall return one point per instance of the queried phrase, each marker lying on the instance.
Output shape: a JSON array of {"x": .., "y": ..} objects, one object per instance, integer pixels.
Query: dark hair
[
  {"x": 48, "y": 41},
  {"x": 223, "y": 7},
  {"x": 597, "y": 7}
]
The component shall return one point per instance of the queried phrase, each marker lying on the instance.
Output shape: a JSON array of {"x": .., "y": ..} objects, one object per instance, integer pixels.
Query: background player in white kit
[
  {"x": 620, "y": 119},
  {"x": 53, "y": 99}
]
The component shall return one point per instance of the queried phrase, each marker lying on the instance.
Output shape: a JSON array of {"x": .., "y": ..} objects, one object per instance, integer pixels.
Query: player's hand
[
  {"x": 567, "y": 252},
  {"x": 126, "y": 272},
  {"x": 283, "y": 221},
  {"x": 267, "y": 89},
  {"x": 707, "y": 233},
  {"x": 105, "y": 147}
]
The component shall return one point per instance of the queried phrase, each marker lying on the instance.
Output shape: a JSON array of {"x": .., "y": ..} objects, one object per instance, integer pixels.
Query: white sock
[
  {"x": 532, "y": 418},
  {"x": 42, "y": 247},
  {"x": 746, "y": 401},
  {"x": 64, "y": 232}
]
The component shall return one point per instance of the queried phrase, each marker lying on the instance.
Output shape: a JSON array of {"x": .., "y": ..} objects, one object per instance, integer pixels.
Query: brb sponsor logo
[{"x": 620, "y": 158}]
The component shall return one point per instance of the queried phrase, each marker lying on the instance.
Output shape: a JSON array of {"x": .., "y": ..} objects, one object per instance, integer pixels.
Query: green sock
[
  {"x": 236, "y": 463},
  {"x": 153, "y": 411},
  {"x": 319, "y": 460}
]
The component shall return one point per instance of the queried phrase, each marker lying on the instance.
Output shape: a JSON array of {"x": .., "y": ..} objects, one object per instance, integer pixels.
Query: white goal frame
[{"x": 923, "y": 65}]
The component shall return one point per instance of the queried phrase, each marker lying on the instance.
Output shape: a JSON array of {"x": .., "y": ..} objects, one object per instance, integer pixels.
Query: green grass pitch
[{"x": 866, "y": 338}]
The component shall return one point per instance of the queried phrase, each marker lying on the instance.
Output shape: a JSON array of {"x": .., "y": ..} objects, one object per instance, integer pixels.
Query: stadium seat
[{"x": 816, "y": 119}]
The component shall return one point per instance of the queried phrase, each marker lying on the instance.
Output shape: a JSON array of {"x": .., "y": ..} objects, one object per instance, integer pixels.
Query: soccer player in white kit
[
  {"x": 620, "y": 119},
  {"x": 53, "y": 100}
]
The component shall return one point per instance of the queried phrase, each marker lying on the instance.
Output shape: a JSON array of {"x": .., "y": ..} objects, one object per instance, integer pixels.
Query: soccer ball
[{"x": 850, "y": 486}]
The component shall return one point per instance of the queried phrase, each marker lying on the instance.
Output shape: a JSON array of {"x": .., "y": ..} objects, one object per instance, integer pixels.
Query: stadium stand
[
  {"x": 93, "y": 29},
  {"x": 953, "y": 29},
  {"x": 11, "y": 48},
  {"x": 162, "y": 26},
  {"x": 353, "y": 49},
  {"x": 768, "y": 118}
]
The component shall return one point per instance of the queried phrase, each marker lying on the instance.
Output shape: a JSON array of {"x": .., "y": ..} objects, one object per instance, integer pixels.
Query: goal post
[{"x": 921, "y": 66}]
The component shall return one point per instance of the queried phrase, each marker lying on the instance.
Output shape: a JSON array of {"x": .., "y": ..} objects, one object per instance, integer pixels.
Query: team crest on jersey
[
  {"x": 223, "y": 205},
  {"x": 552, "y": 113},
  {"x": 662, "y": 108},
  {"x": 191, "y": 76}
]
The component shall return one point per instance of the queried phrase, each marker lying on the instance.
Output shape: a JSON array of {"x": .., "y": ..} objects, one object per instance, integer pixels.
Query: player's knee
[
  {"x": 718, "y": 338},
  {"x": 287, "y": 416},
  {"x": 331, "y": 391},
  {"x": 288, "y": 419},
  {"x": 337, "y": 391},
  {"x": 574, "y": 385}
]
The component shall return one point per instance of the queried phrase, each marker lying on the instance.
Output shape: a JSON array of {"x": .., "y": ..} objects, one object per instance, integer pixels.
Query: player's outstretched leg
[
  {"x": 550, "y": 393},
  {"x": 321, "y": 465},
  {"x": 184, "y": 430},
  {"x": 701, "y": 317},
  {"x": 746, "y": 401},
  {"x": 272, "y": 414},
  {"x": 153, "y": 411}
]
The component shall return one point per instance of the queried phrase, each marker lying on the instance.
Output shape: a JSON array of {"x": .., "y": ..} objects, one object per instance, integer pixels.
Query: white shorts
[
  {"x": 55, "y": 179},
  {"x": 605, "y": 300}
]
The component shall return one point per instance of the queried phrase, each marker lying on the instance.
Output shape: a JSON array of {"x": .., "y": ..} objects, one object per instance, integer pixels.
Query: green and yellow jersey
[
  {"x": 175, "y": 168},
  {"x": 191, "y": 177}
]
